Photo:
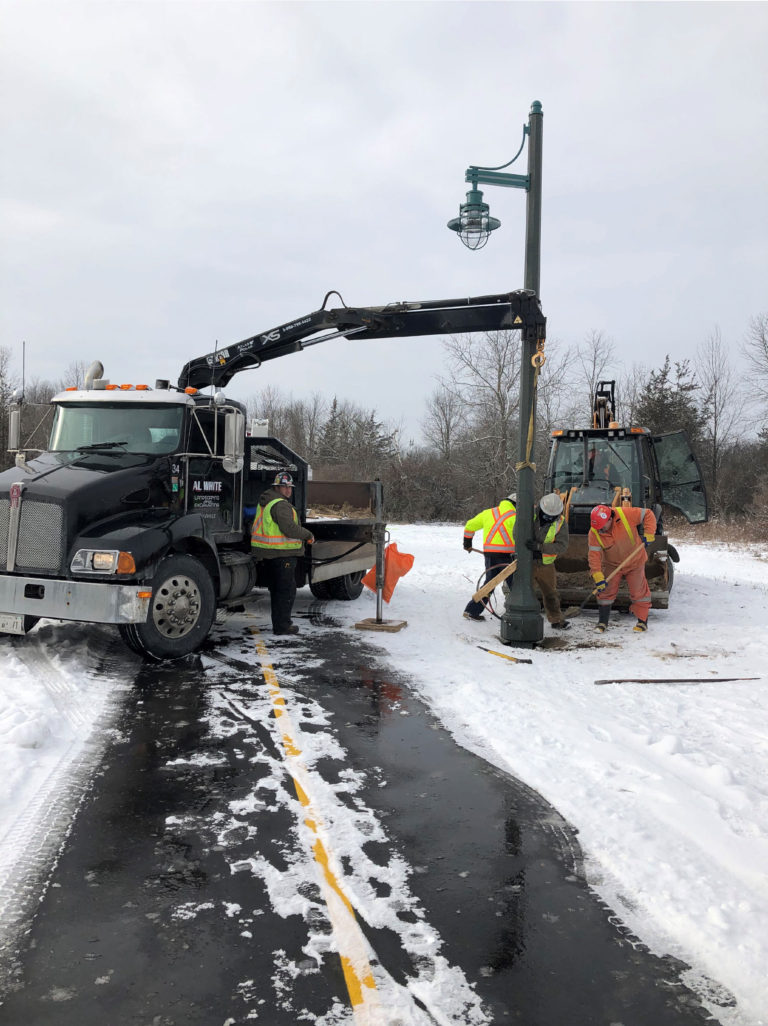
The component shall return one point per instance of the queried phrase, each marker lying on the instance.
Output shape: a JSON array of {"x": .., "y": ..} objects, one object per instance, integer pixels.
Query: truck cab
[{"x": 138, "y": 514}]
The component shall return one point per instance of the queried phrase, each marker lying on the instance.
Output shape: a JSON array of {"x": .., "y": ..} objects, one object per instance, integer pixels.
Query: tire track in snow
[{"x": 76, "y": 679}]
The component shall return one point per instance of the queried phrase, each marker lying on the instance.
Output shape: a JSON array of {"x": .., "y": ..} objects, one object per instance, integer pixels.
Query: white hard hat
[
  {"x": 551, "y": 505},
  {"x": 512, "y": 497}
]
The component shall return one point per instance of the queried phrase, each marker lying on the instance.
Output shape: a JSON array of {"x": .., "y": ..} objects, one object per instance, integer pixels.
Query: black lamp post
[{"x": 522, "y": 622}]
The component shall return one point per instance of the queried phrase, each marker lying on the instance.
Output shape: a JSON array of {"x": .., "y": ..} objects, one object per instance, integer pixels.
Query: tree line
[{"x": 471, "y": 424}]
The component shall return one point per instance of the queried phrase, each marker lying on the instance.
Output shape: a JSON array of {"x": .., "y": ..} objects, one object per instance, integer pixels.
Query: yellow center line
[{"x": 354, "y": 949}]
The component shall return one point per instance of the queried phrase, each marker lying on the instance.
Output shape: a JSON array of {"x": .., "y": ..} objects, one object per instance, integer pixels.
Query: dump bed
[{"x": 343, "y": 517}]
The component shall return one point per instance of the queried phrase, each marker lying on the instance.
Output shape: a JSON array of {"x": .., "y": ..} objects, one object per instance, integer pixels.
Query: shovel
[{"x": 574, "y": 611}]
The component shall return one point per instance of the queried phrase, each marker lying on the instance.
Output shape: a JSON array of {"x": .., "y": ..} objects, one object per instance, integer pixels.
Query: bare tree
[
  {"x": 720, "y": 406},
  {"x": 8, "y": 383},
  {"x": 74, "y": 375},
  {"x": 485, "y": 372},
  {"x": 444, "y": 421},
  {"x": 629, "y": 387},
  {"x": 594, "y": 356},
  {"x": 755, "y": 350}
]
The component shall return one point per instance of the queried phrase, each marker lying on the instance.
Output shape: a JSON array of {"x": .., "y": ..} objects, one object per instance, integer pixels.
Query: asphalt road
[{"x": 161, "y": 912}]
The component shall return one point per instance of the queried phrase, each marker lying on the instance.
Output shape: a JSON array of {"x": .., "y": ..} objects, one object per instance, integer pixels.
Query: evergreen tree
[{"x": 669, "y": 401}]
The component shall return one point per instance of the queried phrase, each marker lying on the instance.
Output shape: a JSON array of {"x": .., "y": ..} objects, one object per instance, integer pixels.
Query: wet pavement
[{"x": 150, "y": 918}]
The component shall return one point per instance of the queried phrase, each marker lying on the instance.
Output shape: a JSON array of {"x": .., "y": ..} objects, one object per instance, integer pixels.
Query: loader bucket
[{"x": 574, "y": 581}]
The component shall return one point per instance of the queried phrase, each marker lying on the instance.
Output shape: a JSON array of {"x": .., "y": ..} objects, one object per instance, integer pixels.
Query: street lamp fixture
[
  {"x": 521, "y": 623},
  {"x": 474, "y": 223}
]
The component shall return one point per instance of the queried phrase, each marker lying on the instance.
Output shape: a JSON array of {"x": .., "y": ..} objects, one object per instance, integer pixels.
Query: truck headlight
[{"x": 102, "y": 561}]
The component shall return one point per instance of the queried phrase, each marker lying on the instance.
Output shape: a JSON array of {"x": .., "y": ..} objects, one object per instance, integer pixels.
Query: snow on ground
[{"x": 666, "y": 783}]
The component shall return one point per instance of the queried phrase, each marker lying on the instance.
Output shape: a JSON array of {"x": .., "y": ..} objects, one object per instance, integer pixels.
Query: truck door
[
  {"x": 210, "y": 490},
  {"x": 680, "y": 477}
]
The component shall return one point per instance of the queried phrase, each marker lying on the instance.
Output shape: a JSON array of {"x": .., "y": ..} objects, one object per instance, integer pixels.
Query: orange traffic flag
[{"x": 396, "y": 565}]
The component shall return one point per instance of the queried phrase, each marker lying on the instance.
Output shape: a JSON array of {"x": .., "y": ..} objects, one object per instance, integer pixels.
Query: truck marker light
[
  {"x": 125, "y": 388},
  {"x": 110, "y": 388},
  {"x": 190, "y": 391},
  {"x": 144, "y": 594},
  {"x": 126, "y": 563},
  {"x": 142, "y": 388}
]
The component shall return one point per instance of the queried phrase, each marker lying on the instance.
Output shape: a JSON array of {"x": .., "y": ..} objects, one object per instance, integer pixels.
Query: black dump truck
[{"x": 139, "y": 512}]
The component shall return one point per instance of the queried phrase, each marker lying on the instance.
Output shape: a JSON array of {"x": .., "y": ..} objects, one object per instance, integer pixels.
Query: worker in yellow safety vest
[
  {"x": 277, "y": 541},
  {"x": 497, "y": 525},
  {"x": 549, "y": 540}
]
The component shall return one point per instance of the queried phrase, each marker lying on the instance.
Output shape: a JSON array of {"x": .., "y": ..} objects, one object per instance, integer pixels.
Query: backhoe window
[
  {"x": 124, "y": 428},
  {"x": 681, "y": 482},
  {"x": 600, "y": 463}
]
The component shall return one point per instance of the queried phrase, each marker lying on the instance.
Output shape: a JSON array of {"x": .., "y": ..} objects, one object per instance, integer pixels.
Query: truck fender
[{"x": 150, "y": 545}]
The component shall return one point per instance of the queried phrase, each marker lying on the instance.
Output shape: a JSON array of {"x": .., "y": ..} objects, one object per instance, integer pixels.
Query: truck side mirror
[{"x": 234, "y": 442}]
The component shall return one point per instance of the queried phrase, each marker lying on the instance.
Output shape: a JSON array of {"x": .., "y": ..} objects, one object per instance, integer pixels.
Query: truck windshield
[
  {"x": 597, "y": 462},
  {"x": 123, "y": 427}
]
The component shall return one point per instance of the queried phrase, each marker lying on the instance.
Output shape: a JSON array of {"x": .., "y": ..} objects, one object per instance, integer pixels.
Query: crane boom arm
[{"x": 505, "y": 311}]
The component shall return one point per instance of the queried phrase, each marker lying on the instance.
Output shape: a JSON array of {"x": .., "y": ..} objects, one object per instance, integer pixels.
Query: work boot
[
  {"x": 603, "y": 616},
  {"x": 471, "y": 616},
  {"x": 640, "y": 626},
  {"x": 290, "y": 629},
  {"x": 561, "y": 625}
]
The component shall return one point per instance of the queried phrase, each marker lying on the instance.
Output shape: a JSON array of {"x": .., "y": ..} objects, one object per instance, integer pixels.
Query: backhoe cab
[{"x": 614, "y": 465}]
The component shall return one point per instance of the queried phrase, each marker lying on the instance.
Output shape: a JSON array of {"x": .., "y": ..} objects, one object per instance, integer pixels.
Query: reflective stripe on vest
[
  {"x": 628, "y": 529},
  {"x": 500, "y": 535},
  {"x": 266, "y": 533},
  {"x": 549, "y": 537}
]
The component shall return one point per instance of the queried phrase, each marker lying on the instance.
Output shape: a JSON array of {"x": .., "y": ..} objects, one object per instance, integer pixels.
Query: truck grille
[{"x": 40, "y": 540}]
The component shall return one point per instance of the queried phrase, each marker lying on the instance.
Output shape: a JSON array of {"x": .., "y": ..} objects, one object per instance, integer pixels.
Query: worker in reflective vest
[
  {"x": 614, "y": 535},
  {"x": 549, "y": 540},
  {"x": 277, "y": 541},
  {"x": 497, "y": 525}
]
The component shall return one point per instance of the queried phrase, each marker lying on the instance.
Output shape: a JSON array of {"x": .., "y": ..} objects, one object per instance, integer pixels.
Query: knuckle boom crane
[{"x": 139, "y": 512}]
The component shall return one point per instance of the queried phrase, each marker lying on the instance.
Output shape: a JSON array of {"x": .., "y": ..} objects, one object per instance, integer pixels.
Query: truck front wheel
[{"x": 180, "y": 614}]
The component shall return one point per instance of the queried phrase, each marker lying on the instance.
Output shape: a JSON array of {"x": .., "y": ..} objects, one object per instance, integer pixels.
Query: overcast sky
[{"x": 174, "y": 174}]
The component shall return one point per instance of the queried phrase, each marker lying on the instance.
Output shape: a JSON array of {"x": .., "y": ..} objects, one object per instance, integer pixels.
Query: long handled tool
[
  {"x": 494, "y": 582},
  {"x": 574, "y": 611},
  {"x": 671, "y": 680},
  {"x": 512, "y": 659}
]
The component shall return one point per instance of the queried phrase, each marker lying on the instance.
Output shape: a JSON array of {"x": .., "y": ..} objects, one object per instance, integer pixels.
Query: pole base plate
[{"x": 372, "y": 624}]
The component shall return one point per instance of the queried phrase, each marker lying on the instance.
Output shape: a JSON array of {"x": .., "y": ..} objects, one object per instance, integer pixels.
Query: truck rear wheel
[
  {"x": 345, "y": 588},
  {"x": 181, "y": 611},
  {"x": 348, "y": 587},
  {"x": 320, "y": 589}
]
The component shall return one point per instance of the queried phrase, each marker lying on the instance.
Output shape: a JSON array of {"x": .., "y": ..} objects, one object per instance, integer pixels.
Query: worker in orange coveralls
[{"x": 614, "y": 535}]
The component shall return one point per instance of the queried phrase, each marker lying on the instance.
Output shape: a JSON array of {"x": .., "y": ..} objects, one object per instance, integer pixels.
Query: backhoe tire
[
  {"x": 348, "y": 587},
  {"x": 181, "y": 611}
]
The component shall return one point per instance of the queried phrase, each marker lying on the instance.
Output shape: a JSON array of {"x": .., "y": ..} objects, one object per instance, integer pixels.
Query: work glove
[
  {"x": 468, "y": 544},
  {"x": 648, "y": 540},
  {"x": 600, "y": 582},
  {"x": 533, "y": 545},
  {"x": 536, "y": 556}
]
